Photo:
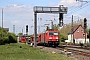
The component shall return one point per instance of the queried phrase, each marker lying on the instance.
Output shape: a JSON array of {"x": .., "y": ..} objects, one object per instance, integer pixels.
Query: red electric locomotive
[
  {"x": 50, "y": 38},
  {"x": 23, "y": 39}
]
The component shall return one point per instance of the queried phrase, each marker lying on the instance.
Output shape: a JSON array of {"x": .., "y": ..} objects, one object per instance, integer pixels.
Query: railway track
[
  {"x": 77, "y": 53},
  {"x": 76, "y": 50},
  {"x": 78, "y": 47}
]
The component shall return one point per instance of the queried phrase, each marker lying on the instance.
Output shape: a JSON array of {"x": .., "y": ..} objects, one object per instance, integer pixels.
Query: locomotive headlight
[
  {"x": 50, "y": 37},
  {"x": 56, "y": 37},
  {"x": 57, "y": 40}
]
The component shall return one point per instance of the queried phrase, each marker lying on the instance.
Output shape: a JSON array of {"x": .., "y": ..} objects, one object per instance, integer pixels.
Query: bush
[
  {"x": 12, "y": 38},
  {"x": 2, "y": 41},
  {"x": 62, "y": 38},
  {"x": 7, "y": 37},
  {"x": 6, "y": 40}
]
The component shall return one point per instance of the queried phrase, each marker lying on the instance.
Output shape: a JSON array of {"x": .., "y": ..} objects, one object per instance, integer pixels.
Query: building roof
[
  {"x": 75, "y": 28},
  {"x": 7, "y": 29}
]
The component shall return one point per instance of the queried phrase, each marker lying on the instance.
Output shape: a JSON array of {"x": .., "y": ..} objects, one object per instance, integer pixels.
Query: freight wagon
[{"x": 22, "y": 39}]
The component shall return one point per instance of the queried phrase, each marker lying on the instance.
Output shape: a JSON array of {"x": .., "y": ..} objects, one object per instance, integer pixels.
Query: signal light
[
  {"x": 85, "y": 23},
  {"x": 26, "y": 28},
  {"x": 61, "y": 19}
]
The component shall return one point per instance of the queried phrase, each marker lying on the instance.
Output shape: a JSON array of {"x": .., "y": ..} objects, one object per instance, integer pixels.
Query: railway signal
[
  {"x": 85, "y": 26},
  {"x": 85, "y": 23},
  {"x": 61, "y": 19},
  {"x": 27, "y": 29}
]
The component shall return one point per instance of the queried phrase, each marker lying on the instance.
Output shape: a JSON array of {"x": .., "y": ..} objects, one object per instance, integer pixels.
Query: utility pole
[
  {"x": 2, "y": 23},
  {"x": 52, "y": 25},
  {"x": 72, "y": 35},
  {"x": 35, "y": 29},
  {"x": 22, "y": 31},
  {"x": 13, "y": 28}
]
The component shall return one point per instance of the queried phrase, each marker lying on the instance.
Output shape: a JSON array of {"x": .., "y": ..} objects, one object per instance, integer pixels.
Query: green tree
[
  {"x": 20, "y": 34},
  {"x": 62, "y": 38},
  {"x": 7, "y": 37},
  {"x": 12, "y": 38},
  {"x": 56, "y": 27},
  {"x": 47, "y": 28}
]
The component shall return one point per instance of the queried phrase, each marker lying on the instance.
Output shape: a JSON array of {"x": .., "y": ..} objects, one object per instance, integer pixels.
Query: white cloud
[
  {"x": 64, "y": 2},
  {"x": 71, "y": 3},
  {"x": 15, "y": 22},
  {"x": 67, "y": 2}
]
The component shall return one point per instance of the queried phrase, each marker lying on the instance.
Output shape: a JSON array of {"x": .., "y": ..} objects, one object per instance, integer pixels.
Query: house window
[
  {"x": 77, "y": 30},
  {"x": 83, "y": 34},
  {"x": 81, "y": 30}
]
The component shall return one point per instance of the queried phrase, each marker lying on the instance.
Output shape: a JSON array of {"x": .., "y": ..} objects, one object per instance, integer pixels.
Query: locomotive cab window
[
  {"x": 50, "y": 33},
  {"x": 53, "y": 33}
]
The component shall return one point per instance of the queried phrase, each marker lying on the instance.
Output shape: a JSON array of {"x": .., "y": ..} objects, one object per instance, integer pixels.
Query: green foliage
[
  {"x": 89, "y": 34},
  {"x": 14, "y": 52},
  {"x": 47, "y": 28},
  {"x": 62, "y": 38},
  {"x": 20, "y": 34},
  {"x": 7, "y": 37},
  {"x": 65, "y": 30},
  {"x": 1, "y": 41},
  {"x": 12, "y": 38},
  {"x": 56, "y": 27}
]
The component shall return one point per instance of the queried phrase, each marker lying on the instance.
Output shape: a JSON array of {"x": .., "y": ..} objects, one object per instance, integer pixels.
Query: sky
[{"x": 20, "y": 13}]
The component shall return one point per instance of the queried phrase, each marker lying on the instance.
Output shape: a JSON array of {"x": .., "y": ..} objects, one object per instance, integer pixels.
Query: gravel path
[{"x": 54, "y": 50}]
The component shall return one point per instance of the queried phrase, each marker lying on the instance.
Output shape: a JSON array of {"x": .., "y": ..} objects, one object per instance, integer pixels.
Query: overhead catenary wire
[{"x": 77, "y": 9}]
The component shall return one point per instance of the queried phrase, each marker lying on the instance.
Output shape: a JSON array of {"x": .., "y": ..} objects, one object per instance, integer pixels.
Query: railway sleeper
[
  {"x": 83, "y": 54},
  {"x": 69, "y": 54}
]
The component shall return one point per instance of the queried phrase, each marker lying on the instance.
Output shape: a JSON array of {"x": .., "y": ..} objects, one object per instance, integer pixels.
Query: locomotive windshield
[{"x": 53, "y": 33}]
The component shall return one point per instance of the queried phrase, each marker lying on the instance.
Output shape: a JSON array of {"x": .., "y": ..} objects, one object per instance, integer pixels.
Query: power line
[{"x": 78, "y": 8}]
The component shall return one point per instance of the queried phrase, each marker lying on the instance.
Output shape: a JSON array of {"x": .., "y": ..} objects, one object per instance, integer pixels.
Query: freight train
[
  {"x": 22, "y": 39},
  {"x": 49, "y": 38},
  {"x": 25, "y": 39}
]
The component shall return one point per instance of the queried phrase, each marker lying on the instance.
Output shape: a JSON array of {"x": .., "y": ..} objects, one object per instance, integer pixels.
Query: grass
[{"x": 14, "y": 52}]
